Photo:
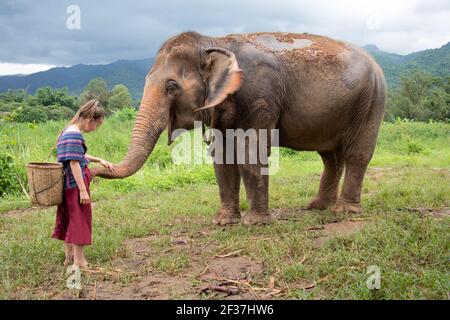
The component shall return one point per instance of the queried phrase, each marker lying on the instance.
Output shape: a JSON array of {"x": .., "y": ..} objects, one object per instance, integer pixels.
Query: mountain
[
  {"x": 132, "y": 72},
  {"x": 75, "y": 78},
  {"x": 434, "y": 61}
]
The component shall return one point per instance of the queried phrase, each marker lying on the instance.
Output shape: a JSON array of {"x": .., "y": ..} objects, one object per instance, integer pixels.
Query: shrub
[
  {"x": 287, "y": 152},
  {"x": 125, "y": 114},
  {"x": 10, "y": 174},
  {"x": 414, "y": 147},
  {"x": 59, "y": 112},
  {"x": 31, "y": 114}
]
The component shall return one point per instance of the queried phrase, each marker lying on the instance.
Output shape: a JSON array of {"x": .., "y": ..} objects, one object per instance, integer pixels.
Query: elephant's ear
[{"x": 222, "y": 75}]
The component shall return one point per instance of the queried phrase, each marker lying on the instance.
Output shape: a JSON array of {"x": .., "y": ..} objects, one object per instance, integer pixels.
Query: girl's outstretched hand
[{"x": 107, "y": 165}]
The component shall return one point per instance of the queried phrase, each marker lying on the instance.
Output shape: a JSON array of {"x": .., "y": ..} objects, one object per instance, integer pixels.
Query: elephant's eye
[{"x": 171, "y": 86}]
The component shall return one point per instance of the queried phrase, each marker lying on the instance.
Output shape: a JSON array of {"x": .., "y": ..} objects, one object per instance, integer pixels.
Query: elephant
[{"x": 321, "y": 95}]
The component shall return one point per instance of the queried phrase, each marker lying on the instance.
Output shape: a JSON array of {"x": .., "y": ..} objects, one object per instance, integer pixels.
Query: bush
[
  {"x": 47, "y": 96},
  {"x": 31, "y": 114},
  {"x": 120, "y": 98},
  {"x": 59, "y": 113},
  {"x": 10, "y": 106},
  {"x": 125, "y": 114},
  {"x": 9, "y": 175},
  {"x": 414, "y": 147},
  {"x": 421, "y": 97},
  {"x": 287, "y": 152}
]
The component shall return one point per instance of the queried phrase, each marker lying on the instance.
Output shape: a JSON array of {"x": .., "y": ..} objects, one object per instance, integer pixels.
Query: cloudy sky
[{"x": 34, "y": 35}]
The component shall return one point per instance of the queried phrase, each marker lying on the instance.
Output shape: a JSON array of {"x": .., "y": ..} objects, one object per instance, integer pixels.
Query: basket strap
[{"x": 46, "y": 188}]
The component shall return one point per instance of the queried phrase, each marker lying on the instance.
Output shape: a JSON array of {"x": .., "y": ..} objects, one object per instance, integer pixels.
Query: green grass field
[{"x": 153, "y": 235}]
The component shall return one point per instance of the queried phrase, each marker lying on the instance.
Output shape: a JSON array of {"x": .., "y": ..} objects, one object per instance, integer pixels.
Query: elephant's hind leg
[
  {"x": 329, "y": 182},
  {"x": 357, "y": 152},
  {"x": 350, "y": 198}
]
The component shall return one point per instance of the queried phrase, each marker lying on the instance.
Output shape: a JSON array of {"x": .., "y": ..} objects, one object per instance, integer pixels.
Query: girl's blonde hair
[{"x": 90, "y": 110}]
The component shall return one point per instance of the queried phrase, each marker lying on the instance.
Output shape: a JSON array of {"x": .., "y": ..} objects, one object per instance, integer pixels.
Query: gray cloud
[{"x": 35, "y": 32}]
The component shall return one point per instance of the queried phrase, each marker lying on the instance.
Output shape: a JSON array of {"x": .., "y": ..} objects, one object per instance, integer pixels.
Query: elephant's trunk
[{"x": 152, "y": 119}]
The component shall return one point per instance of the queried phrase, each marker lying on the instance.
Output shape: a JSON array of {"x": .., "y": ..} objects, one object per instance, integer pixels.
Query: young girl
[{"x": 74, "y": 216}]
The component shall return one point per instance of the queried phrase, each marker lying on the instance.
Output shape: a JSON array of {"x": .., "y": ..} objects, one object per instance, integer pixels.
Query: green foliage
[
  {"x": 414, "y": 147},
  {"x": 47, "y": 96},
  {"x": 9, "y": 174},
  {"x": 59, "y": 112},
  {"x": 125, "y": 114},
  {"x": 120, "y": 98},
  {"x": 432, "y": 61},
  {"x": 13, "y": 96},
  {"x": 57, "y": 104},
  {"x": 421, "y": 97},
  {"x": 96, "y": 89},
  {"x": 287, "y": 152},
  {"x": 30, "y": 114}
]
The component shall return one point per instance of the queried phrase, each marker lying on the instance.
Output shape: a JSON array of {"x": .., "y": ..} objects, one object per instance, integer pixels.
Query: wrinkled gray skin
[{"x": 323, "y": 95}]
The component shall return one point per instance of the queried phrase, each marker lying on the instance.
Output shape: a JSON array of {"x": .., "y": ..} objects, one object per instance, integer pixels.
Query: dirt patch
[
  {"x": 223, "y": 277},
  {"x": 437, "y": 213},
  {"x": 226, "y": 277},
  {"x": 155, "y": 287},
  {"x": 134, "y": 253},
  {"x": 140, "y": 245},
  {"x": 319, "y": 49},
  {"x": 442, "y": 172},
  {"x": 27, "y": 211},
  {"x": 21, "y": 212},
  {"x": 234, "y": 268},
  {"x": 376, "y": 173},
  {"x": 235, "y": 278},
  {"x": 340, "y": 229},
  {"x": 149, "y": 287}
]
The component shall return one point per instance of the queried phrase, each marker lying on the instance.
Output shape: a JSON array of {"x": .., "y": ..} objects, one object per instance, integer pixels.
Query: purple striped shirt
[{"x": 71, "y": 146}]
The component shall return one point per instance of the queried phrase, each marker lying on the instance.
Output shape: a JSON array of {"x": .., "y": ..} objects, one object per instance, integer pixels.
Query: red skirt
[{"x": 73, "y": 220}]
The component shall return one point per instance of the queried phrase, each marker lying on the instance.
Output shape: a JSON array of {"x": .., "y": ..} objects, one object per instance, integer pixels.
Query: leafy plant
[
  {"x": 9, "y": 175},
  {"x": 414, "y": 147}
]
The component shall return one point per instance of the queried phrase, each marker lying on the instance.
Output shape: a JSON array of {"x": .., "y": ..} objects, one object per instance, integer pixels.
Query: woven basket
[{"x": 46, "y": 183}]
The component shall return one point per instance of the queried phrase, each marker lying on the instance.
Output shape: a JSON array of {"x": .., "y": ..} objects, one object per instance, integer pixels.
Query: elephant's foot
[
  {"x": 346, "y": 206},
  {"x": 253, "y": 218},
  {"x": 224, "y": 217},
  {"x": 321, "y": 203}
]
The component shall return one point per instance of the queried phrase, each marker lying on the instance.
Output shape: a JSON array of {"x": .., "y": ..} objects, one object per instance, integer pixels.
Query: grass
[{"x": 410, "y": 171}]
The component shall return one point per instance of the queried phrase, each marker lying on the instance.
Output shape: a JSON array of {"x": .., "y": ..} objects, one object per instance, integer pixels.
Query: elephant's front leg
[
  {"x": 228, "y": 179},
  {"x": 257, "y": 188}
]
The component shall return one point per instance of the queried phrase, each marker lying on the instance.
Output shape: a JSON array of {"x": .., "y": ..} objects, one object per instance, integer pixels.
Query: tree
[
  {"x": 96, "y": 89},
  {"x": 30, "y": 114},
  {"x": 420, "y": 96},
  {"x": 120, "y": 98},
  {"x": 19, "y": 96},
  {"x": 437, "y": 105},
  {"x": 47, "y": 96},
  {"x": 56, "y": 112}
]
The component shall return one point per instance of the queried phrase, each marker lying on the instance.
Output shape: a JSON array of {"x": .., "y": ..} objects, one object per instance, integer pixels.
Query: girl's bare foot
[
  {"x": 83, "y": 265},
  {"x": 79, "y": 258}
]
